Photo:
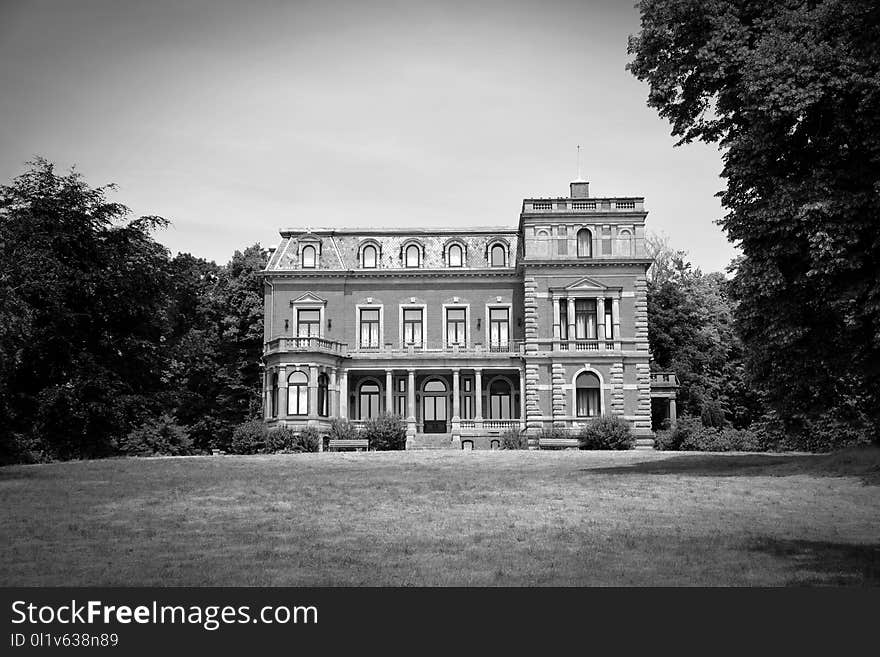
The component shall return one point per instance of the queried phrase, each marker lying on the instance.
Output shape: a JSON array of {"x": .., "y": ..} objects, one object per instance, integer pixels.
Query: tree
[
  {"x": 82, "y": 316},
  {"x": 791, "y": 93}
]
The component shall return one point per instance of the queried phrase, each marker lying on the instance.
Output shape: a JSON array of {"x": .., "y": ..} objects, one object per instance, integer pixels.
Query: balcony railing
[
  {"x": 440, "y": 347},
  {"x": 287, "y": 344},
  {"x": 500, "y": 424},
  {"x": 617, "y": 344},
  {"x": 663, "y": 380},
  {"x": 294, "y": 344}
]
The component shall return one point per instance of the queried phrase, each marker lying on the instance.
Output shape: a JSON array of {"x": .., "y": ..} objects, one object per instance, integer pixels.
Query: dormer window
[
  {"x": 309, "y": 257},
  {"x": 369, "y": 257},
  {"x": 455, "y": 256},
  {"x": 412, "y": 256},
  {"x": 497, "y": 256}
]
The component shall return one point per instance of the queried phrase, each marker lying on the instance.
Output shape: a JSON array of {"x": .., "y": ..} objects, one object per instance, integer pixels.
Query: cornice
[{"x": 331, "y": 274}]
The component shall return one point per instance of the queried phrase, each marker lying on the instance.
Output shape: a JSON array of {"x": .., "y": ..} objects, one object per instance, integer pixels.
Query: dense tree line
[
  {"x": 790, "y": 91},
  {"x": 107, "y": 343}
]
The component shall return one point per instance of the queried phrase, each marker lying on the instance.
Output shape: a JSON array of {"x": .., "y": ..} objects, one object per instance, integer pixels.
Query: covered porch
[{"x": 438, "y": 401}]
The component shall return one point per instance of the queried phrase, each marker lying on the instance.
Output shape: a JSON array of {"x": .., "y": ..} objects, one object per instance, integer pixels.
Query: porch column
[
  {"x": 456, "y": 410},
  {"x": 343, "y": 394},
  {"x": 522, "y": 400},
  {"x": 571, "y": 319},
  {"x": 313, "y": 392},
  {"x": 282, "y": 392},
  {"x": 615, "y": 321},
  {"x": 411, "y": 403},
  {"x": 600, "y": 322},
  {"x": 478, "y": 398},
  {"x": 389, "y": 399},
  {"x": 267, "y": 394},
  {"x": 334, "y": 394},
  {"x": 673, "y": 412},
  {"x": 557, "y": 329}
]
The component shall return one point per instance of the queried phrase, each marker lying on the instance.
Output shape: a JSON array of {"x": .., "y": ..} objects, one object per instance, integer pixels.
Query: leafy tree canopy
[{"x": 791, "y": 93}]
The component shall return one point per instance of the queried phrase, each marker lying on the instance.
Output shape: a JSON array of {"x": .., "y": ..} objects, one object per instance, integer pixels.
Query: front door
[{"x": 434, "y": 407}]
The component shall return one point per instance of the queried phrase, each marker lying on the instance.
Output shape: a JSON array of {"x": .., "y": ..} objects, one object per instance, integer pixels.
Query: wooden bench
[
  {"x": 357, "y": 444},
  {"x": 564, "y": 443}
]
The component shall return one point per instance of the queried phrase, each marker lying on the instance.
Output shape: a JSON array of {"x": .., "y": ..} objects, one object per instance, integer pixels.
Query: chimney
[{"x": 580, "y": 188}]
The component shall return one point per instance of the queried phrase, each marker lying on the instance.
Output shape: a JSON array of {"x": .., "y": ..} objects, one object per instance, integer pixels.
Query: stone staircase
[
  {"x": 644, "y": 443},
  {"x": 432, "y": 441}
]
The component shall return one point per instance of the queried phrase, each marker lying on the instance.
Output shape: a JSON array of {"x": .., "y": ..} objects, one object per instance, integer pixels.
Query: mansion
[{"x": 466, "y": 333}]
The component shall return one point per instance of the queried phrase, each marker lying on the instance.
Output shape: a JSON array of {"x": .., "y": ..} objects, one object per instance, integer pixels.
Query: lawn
[{"x": 445, "y": 518}]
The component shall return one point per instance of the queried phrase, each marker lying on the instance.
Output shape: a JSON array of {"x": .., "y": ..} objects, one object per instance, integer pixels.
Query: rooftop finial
[{"x": 579, "y": 163}]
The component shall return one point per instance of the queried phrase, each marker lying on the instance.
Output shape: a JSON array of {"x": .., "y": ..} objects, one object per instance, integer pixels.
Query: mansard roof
[{"x": 340, "y": 247}]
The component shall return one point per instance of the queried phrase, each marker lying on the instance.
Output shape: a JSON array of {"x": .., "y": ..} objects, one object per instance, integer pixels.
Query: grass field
[{"x": 445, "y": 518}]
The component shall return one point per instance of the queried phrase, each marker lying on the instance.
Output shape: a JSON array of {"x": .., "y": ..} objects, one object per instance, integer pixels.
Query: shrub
[
  {"x": 249, "y": 438},
  {"x": 609, "y": 432},
  {"x": 343, "y": 429},
  {"x": 689, "y": 434},
  {"x": 514, "y": 439},
  {"x": 161, "y": 436},
  {"x": 307, "y": 440},
  {"x": 385, "y": 432}
]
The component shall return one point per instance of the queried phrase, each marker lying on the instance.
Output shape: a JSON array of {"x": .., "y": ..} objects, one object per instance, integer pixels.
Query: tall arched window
[
  {"x": 500, "y": 400},
  {"x": 624, "y": 242},
  {"x": 587, "y": 393},
  {"x": 308, "y": 257},
  {"x": 298, "y": 394},
  {"x": 369, "y": 257},
  {"x": 323, "y": 397},
  {"x": 412, "y": 256},
  {"x": 496, "y": 256},
  {"x": 369, "y": 400},
  {"x": 274, "y": 400},
  {"x": 455, "y": 257},
  {"x": 585, "y": 243}
]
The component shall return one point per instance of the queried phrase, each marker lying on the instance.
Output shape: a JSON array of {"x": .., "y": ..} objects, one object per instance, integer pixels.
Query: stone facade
[{"x": 465, "y": 333}]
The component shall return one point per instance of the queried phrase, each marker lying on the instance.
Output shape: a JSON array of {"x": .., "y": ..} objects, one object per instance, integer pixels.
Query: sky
[{"x": 236, "y": 119}]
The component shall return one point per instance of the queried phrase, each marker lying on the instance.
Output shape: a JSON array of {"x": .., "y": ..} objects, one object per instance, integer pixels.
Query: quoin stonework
[{"x": 467, "y": 333}]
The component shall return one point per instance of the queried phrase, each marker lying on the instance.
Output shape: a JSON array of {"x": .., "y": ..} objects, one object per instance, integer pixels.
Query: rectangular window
[
  {"x": 587, "y": 402},
  {"x": 412, "y": 326},
  {"x": 609, "y": 324},
  {"x": 585, "y": 319},
  {"x": 455, "y": 326},
  {"x": 467, "y": 407},
  {"x": 400, "y": 406},
  {"x": 369, "y": 328},
  {"x": 563, "y": 319},
  {"x": 606, "y": 241},
  {"x": 308, "y": 323},
  {"x": 499, "y": 327}
]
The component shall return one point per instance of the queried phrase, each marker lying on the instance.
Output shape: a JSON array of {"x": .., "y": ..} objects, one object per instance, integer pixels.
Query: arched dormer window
[
  {"x": 455, "y": 254},
  {"x": 309, "y": 257},
  {"x": 369, "y": 257},
  {"x": 496, "y": 253},
  {"x": 585, "y": 243},
  {"x": 412, "y": 256}
]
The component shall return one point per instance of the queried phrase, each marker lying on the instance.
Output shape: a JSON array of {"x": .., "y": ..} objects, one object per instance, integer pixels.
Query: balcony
[
  {"x": 663, "y": 380},
  {"x": 308, "y": 344},
  {"x": 591, "y": 344},
  {"x": 433, "y": 349},
  {"x": 439, "y": 348}
]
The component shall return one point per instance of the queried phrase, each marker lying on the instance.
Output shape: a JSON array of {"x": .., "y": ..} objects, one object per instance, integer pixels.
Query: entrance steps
[
  {"x": 433, "y": 441},
  {"x": 644, "y": 443}
]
